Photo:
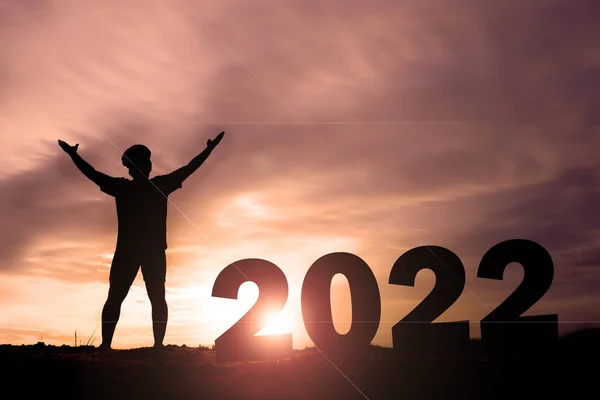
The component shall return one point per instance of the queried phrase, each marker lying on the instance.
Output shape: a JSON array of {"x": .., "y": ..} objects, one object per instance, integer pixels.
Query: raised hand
[
  {"x": 70, "y": 150},
  {"x": 214, "y": 142}
]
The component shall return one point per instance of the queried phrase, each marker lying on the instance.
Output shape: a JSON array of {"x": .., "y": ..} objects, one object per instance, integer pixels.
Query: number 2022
[{"x": 502, "y": 329}]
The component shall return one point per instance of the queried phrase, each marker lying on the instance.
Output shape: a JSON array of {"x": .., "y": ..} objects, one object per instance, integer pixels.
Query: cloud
[
  {"x": 380, "y": 124},
  {"x": 560, "y": 215}
]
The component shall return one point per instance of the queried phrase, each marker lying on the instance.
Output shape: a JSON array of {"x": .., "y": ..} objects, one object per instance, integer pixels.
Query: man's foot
[{"x": 104, "y": 347}]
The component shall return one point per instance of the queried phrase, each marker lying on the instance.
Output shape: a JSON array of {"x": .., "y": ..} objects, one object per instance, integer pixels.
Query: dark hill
[{"x": 571, "y": 369}]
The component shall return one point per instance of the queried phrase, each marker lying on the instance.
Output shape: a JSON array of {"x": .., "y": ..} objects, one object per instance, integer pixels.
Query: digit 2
[
  {"x": 504, "y": 328},
  {"x": 415, "y": 333},
  {"x": 239, "y": 342}
]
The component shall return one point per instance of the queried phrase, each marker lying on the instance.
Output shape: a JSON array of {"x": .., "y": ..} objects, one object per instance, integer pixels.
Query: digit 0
[{"x": 316, "y": 303}]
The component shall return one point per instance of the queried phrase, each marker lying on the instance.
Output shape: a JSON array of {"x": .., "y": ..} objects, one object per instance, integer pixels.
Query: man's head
[{"x": 137, "y": 160}]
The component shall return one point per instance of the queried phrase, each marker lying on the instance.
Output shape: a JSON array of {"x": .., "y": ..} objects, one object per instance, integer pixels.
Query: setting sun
[{"x": 276, "y": 323}]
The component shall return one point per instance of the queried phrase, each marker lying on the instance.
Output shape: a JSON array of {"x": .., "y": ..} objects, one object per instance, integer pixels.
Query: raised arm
[
  {"x": 90, "y": 172},
  {"x": 184, "y": 172}
]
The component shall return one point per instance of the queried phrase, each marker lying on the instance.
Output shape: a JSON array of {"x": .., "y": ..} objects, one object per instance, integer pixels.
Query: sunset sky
[{"x": 368, "y": 127}]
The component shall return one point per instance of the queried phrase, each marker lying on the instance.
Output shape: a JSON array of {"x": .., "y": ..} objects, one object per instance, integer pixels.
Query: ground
[{"x": 179, "y": 372}]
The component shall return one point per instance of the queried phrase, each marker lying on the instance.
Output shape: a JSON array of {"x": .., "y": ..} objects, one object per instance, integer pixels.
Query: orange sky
[{"x": 365, "y": 127}]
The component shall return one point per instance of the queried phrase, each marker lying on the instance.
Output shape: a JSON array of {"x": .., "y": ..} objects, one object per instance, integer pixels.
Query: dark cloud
[{"x": 561, "y": 215}]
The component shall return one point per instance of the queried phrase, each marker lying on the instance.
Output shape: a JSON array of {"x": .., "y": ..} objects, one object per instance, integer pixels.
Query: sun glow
[{"x": 276, "y": 323}]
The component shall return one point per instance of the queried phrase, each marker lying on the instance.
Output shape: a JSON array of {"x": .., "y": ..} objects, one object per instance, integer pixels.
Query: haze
[{"x": 370, "y": 127}]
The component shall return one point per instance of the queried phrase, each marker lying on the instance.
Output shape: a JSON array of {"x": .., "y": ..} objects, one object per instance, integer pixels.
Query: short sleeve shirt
[{"x": 142, "y": 209}]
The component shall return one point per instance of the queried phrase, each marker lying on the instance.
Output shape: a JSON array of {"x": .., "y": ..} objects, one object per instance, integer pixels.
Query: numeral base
[
  {"x": 431, "y": 339},
  {"x": 254, "y": 348},
  {"x": 525, "y": 335}
]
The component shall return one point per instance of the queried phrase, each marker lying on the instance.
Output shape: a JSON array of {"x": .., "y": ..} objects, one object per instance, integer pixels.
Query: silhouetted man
[{"x": 142, "y": 230}]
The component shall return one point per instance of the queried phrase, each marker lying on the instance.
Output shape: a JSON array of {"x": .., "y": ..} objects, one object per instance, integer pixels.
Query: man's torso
[{"x": 142, "y": 215}]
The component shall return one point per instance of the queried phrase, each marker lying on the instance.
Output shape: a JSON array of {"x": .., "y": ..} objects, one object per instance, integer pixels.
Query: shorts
[{"x": 127, "y": 262}]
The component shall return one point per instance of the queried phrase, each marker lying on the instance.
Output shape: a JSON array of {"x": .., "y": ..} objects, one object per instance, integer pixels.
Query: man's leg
[
  {"x": 123, "y": 270},
  {"x": 154, "y": 268}
]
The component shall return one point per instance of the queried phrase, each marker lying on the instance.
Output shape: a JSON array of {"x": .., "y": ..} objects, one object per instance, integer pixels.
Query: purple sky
[{"x": 362, "y": 126}]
